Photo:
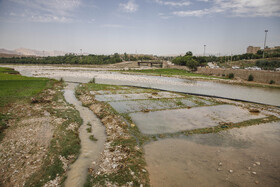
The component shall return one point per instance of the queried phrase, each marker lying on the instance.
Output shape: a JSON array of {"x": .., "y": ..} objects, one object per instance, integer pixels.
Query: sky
[{"x": 159, "y": 27}]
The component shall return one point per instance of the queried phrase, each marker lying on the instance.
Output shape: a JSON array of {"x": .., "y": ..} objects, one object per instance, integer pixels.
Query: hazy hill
[{"x": 30, "y": 52}]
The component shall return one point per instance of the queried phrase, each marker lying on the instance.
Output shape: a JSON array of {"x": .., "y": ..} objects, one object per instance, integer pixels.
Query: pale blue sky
[{"x": 160, "y": 27}]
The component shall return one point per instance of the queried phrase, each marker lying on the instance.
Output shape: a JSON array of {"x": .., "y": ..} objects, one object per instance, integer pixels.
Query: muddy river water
[
  {"x": 78, "y": 74},
  {"x": 239, "y": 157}
]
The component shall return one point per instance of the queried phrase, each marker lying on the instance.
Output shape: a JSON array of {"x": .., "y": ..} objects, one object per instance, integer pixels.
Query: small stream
[{"x": 90, "y": 150}]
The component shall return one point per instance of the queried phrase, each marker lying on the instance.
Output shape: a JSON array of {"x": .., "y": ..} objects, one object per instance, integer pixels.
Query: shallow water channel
[{"x": 90, "y": 150}]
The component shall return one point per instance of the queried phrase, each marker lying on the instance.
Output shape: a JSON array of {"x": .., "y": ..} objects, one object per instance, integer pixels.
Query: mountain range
[{"x": 31, "y": 52}]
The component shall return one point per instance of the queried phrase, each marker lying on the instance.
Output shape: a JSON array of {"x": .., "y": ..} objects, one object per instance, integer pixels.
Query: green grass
[
  {"x": 8, "y": 70},
  {"x": 89, "y": 129},
  {"x": 170, "y": 72},
  {"x": 14, "y": 87},
  {"x": 91, "y": 137}
]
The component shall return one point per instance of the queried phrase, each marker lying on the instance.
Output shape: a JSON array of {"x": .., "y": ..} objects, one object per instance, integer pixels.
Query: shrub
[
  {"x": 92, "y": 80},
  {"x": 272, "y": 82},
  {"x": 91, "y": 137},
  {"x": 251, "y": 77},
  {"x": 231, "y": 76}
]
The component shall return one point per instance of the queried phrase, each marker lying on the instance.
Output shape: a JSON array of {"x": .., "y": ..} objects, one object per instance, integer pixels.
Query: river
[{"x": 262, "y": 95}]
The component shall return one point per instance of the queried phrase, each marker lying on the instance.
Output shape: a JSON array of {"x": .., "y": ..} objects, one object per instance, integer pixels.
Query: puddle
[
  {"x": 170, "y": 121},
  {"x": 193, "y": 162},
  {"x": 90, "y": 150},
  {"x": 142, "y": 105},
  {"x": 123, "y": 97}
]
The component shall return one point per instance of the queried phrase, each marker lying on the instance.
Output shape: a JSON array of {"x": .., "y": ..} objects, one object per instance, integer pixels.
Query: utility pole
[
  {"x": 264, "y": 41},
  {"x": 204, "y": 50}
]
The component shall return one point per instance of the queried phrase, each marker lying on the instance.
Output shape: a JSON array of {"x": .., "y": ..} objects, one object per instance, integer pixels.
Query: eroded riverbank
[{"x": 41, "y": 140}]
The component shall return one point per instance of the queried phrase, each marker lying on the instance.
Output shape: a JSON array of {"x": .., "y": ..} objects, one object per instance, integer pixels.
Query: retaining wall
[{"x": 259, "y": 76}]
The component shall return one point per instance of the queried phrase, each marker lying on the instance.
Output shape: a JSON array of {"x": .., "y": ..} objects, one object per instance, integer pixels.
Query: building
[{"x": 252, "y": 49}]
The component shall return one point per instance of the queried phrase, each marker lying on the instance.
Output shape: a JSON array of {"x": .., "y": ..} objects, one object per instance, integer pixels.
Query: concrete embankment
[{"x": 259, "y": 76}]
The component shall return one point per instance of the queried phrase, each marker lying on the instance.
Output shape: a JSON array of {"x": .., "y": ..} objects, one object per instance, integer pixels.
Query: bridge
[{"x": 150, "y": 63}]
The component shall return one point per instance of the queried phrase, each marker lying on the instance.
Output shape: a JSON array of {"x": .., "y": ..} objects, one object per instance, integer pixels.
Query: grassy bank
[
  {"x": 14, "y": 87},
  {"x": 65, "y": 145},
  {"x": 171, "y": 72},
  {"x": 39, "y": 131}
]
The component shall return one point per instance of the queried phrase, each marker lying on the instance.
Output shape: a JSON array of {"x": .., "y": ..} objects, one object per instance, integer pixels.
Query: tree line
[
  {"x": 75, "y": 59},
  {"x": 193, "y": 62},
  {"x": 67, "y": 59}
]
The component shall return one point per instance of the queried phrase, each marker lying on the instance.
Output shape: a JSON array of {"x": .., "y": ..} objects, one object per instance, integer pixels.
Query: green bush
[
  {"x": 92, "y": 81},
  {"x": 251, "y": 77},
  {"x": 268, "y": 64},
  {"x": 272, "y": 82},
  {"x": 231, "y": 76}
]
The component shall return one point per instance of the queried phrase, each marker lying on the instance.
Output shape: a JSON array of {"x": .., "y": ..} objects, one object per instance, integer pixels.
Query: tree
[
  {"x": 259, "y": 52},
  {"x": 191, "y": 63},
  {"x": 189, "y": 53}
]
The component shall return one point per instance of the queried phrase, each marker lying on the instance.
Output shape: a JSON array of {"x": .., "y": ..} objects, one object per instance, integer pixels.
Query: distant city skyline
[{"x": 159, "y": 27}]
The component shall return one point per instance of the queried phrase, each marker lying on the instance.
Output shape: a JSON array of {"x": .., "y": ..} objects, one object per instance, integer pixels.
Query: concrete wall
[{"x": 259, "y": 76}]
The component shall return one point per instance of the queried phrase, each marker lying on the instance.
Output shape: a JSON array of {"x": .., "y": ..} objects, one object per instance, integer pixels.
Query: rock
[
  {"x": 254, "y": 110},
  {"x": 90, "y": 170},
  {"x": 132, "y": 125},
  {"x": 258, "y": 163},
  {"x": 257, "y": 182},
  {"x": 145, "y": 110},
  {"x": 34, "y": 100},
  {"x": 220, "y": 164},
  {"x": 219, "y": 169},
  {"x": 231, "y": 171},
  {"x": 254, "y": 172}
]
